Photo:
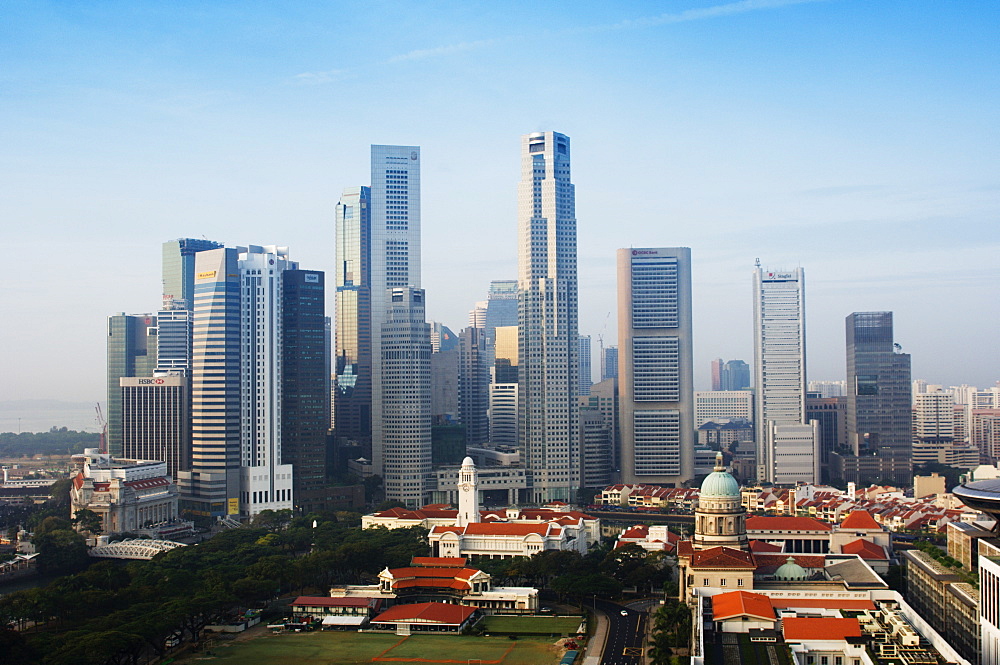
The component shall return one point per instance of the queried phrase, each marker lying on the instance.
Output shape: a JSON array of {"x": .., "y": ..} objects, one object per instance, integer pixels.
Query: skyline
[{"x": 852, "y": 139}]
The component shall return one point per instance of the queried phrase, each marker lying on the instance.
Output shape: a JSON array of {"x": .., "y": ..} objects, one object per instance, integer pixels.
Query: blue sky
[{"x": 856, "y": 138}]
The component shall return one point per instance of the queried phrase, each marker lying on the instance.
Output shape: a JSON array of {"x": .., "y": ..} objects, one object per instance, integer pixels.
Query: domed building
[{"x": 719, "y": 518}]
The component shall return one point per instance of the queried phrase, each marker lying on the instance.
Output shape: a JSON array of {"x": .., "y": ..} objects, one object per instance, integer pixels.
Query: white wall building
[
  {"x": 722, "y": 405},
  {"x": 655, "y": 373},
  {"x": 780, "y": 379}
]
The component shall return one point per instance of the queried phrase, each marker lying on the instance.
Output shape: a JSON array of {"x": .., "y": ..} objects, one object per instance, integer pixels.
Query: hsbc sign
[{"x": 151, "y": 382}]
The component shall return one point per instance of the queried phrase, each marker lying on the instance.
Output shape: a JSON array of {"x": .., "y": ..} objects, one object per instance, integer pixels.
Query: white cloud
[
  {"x": 450, "y": 49},
  {"x": 715, "y": 11},
  {"x": 316, "y": 78}
]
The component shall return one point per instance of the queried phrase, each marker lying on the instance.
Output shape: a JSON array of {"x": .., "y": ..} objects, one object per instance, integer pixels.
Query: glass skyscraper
[
  {"x": 131, "y": 352},
  {"x": 548, "y": 339}
]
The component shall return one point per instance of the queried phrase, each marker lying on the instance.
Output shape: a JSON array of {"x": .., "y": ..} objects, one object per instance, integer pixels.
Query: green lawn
[
  {"x": 349, "y": 648},
  {"x": 532, "y": 624}
]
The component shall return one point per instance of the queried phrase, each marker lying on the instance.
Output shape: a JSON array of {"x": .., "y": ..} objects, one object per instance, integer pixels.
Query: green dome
[
  {"x": 720, "y": 484},
  {"x": 790, "y": 571}
]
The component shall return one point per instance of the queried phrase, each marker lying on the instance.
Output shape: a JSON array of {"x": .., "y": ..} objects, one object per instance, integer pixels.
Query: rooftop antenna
[{"x": 756, "y": 262}]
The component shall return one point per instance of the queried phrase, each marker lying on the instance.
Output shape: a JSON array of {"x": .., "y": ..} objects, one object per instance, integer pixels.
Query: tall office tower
[
  {"x": 401, "y": 437},
  {"x": 609, "y": 363},
  {"x": 656, "y": 389},
  {"x": 548, "y": 344},
  {"x": 445, "y": 362},
  {"x": 173, "y": 341},
  {"x": 604, "y": 398},
  {"x": 178, "y": 268},
  {"x": 474, "y": 386},
  {"x": 934, "y": 418},
  {"x": 501, "y": 305},
  {"x": 402, "y": 427},
  {"x": 305, "y": 385},
  {"x": 212, "y": 484},
  {"x": 735, "y": 375},
  {"x": 352, "y": 366},
  {"x": 586, "y": 377},
  {"x": 879, "y": 419},
  {"x": 717, "y": 374},
  {"x": 131, "y": 352},
  {"x": 155, "y": 423},
  {"x": 477, "y": 315},
  {"x": 722, "y": 405},
  {"x": 503, "y": 415},
  {"x": 595, "y": 449},
  {"x": 505, "y": 354},
  {"x": 787, "y": 447},
  {"x": 831, "y": 415}
]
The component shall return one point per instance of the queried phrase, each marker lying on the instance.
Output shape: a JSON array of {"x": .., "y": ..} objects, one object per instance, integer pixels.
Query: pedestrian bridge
[{"x": 133, "y": 548}]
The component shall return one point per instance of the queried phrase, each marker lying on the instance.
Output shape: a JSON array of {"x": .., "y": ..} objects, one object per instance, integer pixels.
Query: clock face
[{"x": 465, "y": 487}]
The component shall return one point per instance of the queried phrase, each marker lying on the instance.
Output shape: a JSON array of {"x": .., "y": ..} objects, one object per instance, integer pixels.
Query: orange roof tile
[
  {"x": 722, "y": 557},
  {"x": 798, "y": 629},
  {"x": 442, "y": 613},
  {"x": 439, "y": 561},
  {"x": 763, "y": 546},
  {"x": 866, "y": 549},
  {"x": 859, "y": 519},
  {"x": 508, "y": 529},
  {"x": 741, "y": 603},
  {"x": 768, "y": 563},
  {"x": 781, "y": 523},
  {"x": 446, "y": 573}
]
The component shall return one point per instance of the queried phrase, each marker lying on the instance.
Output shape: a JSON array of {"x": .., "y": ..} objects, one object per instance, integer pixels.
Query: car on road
[{"x": 624, "y": 613}]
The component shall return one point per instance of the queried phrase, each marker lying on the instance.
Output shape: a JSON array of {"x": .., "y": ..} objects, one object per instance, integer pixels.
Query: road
[{"x": 626, "y": 634}]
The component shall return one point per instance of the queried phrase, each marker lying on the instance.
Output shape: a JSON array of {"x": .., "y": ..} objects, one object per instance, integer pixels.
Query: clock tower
[{"x": 468, "y": 494}]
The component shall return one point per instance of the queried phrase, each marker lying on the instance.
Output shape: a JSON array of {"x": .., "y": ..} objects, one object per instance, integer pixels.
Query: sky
[{"x": 855, "y": 138}]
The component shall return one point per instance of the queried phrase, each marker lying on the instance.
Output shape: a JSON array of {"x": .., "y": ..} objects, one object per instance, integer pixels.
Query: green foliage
[
  {"x": 88, "y": 520},
  {"x": 671, "y": 629},
  {"x": 60, "y": 550},
  {"x": 57, "y": 441}
]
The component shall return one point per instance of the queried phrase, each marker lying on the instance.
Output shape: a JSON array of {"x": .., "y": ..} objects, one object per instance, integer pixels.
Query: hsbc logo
[{"x": 151, "y": 382}]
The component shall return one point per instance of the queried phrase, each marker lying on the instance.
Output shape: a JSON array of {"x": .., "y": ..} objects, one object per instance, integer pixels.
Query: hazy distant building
[
  {"x": 603, "y": 398},
  {"x": 609, "y": 363},
  {"x": 735, "y": 375},
  {"x": 828, "y": 388},
  {"x": 722, "y": 405},
  {"x": 656, "y": 394},
  {"x": 474, "y": 386},
  {"x": 586, "y": 378},
  {"x": 548, "y": 340},
  {"x": 787, "y": 447},
  {"x": 878, "y": 418},
  {"x": 131, "y": 352},
  {"x": 831, "y": 414},
  {"x": 717, "y": 374}
]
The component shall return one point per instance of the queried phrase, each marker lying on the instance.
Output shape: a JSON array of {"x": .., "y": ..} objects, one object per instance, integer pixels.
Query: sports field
[
  {"x": 532, "y": 625},
  {"x": 348, "y": 648}
]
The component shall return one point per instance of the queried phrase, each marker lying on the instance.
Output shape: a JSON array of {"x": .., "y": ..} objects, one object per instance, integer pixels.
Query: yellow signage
[
  {"x": 206, "y": 275},
  {"x": 232, "y": 506}
]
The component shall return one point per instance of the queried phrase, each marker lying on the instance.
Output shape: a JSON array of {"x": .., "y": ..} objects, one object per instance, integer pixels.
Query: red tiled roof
[
  {"x": 436, "y": 583},
  {"x": 722, "y": 557},
  {"x": 797, "y": 629},
  {"x": 781, "y": 523},
  {"x": 638, "y": 531},
  {"x": 508, "y": 529},
  {"x": 763, "y": 546},
  {"x": 443, "y": 613},
  {"x": 768, "y": 563},
  {"x": 859, "y": 519},
  {"x": 741, "y": 603},
  {"x": 326, "y": 601},
  {"x": 446, "y": 529},
  {"x": 439, "y": 561},
  {"x": 427, "y": 572},
  {"x": 866, "y": 549}
]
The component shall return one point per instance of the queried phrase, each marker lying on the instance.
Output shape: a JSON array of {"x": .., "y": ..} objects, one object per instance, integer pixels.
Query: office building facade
[
  {"x": 735, "y": 375},
  {"x": 155, "y": 423},
  {"x": 586, "y": 378},
  {"x": 656, "y": 392},
  {"x": 548, "y": 342},
  {"x": 787, "y": 449},
  {"x": 722, "y": 405},
  {"x": 131, "y": 353},
  {"x": 609, "y": 363}
]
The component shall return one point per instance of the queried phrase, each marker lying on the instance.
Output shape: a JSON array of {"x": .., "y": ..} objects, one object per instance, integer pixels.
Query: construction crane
[{"x": 103, "y": 425}]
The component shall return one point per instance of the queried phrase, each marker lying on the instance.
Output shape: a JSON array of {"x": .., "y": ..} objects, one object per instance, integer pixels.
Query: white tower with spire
[{"x": 468, "y": 494}]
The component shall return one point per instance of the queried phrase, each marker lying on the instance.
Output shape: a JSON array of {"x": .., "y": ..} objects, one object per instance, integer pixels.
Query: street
[{"x": 626, "y": 634}]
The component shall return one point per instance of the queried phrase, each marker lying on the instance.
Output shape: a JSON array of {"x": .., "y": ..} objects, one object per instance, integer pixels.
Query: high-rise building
[
  {"x": 305, "y": 385},
  {"x": 717, "y": 374},
  {"x": 155, "y": 424},
  {"x": 178, "y": 268},
  {"x": 735, "y": 375},
  {"x": 586, "y": 378},
  {"x": 609, "y": 363},
  {"x": 352, "y": 366},
  {"x": 656, "y": 391},
  {"x": 173, "y": 340},
  {"x": 831, "y": 414},
  {"x": 548, "y": 344},
  {"x": 474, "y": 386},
  {"x": 501, "y": 305},
  {"x": 212, "y": 484},
  {"x": 503, "y": 415},
  {"x": 787, "y": 448},
  {"x": 595, "y": 449},
  {"x": 401, "y": 345},
  {"x": 131, "y": 352},
  {"x": 878, "y": 418},
  {"x": 603, "y": 398}
]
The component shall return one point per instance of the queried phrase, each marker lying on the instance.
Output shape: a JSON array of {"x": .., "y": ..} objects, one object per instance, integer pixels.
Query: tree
[
  {"x": 88, "y": 520},
  {"x": 61, "y": 551}
]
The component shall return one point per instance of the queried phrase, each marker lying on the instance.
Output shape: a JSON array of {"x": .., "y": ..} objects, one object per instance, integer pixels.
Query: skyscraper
[
  {"x": 401, "y": 437},
  {"x": 656, "y": 391},
  {"x": 178, "y": 268},
  {"x": 586, "y": 377},
  {"x": 548, "y": 344},
  {"x": 879, "y": 417},
  {"x": 131, "y": 352},
  {"x": 609, "y": 363},
  {"x": 353, "y": 333},
  {"x": 735, "y": 375},
  {"x": 155, "y": 423},
  {"x": 717, "y": 374},
  {"x": 474, "y": 386},
  {"x": 787, "y": 446}
]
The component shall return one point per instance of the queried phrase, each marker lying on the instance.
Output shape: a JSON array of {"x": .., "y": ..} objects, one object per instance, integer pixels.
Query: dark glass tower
[
  {"x": 131, "y": 352},
  {"x": 879, "y": 402},
  {"x": 305, "y": 408}
]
